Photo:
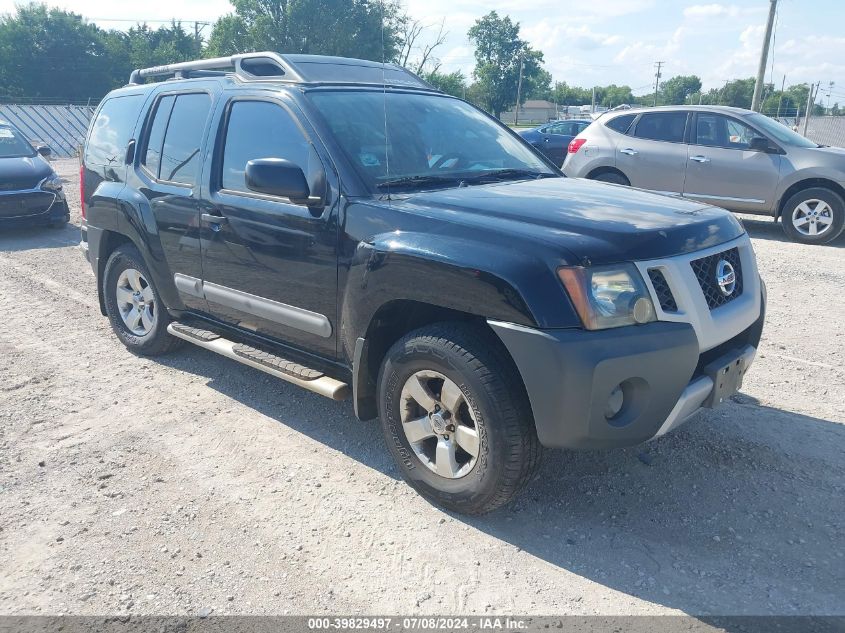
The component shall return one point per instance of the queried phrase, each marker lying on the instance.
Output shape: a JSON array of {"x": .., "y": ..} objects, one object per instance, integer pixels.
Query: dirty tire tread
[
  {"x": 489, "y": 362},
  {"x": 159, "y": 342}
]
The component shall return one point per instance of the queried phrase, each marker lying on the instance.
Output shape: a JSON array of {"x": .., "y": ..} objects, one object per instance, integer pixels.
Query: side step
[{"x": 269, "y": 363}]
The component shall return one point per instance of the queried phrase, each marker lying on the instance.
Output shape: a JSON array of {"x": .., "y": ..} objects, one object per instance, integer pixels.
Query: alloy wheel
[
  {"x": 439, "y": 424},
  {"x": 812, "y": 217},
  {"x": 135, "y": 302}
]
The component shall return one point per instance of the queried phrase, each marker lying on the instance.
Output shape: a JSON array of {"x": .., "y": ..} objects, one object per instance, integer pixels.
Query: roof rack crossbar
[{"x": 233, "y": 63}]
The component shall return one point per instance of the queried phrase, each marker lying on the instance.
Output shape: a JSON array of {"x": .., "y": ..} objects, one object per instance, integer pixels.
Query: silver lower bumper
[{"x": 694, "y": 396}]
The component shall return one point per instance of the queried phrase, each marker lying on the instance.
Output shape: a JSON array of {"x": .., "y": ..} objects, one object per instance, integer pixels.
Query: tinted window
[
  {"x": 112, "y": 130},
  {"x": 13, "y": 144},
  {"x": 180, "y": 155},
  {"x": 258, "y": 129},
  {"x": 621, "y": 123},
  {"x": 401, "y": 135},
  {"x": 663, "y": 126},
  {"x": 716, "y": 130},
  {"x": 152, "y": 156}
]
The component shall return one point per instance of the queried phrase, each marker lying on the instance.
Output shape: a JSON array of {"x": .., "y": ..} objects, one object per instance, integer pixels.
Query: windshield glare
[
  {"x": 13, "y": 145},
  {"x": 427, "y": 136},
  {"x": 779, "y": 132}
]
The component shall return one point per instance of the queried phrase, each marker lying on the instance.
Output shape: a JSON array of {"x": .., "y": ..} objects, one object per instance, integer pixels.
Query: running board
[{"x": 258, "y": 359}]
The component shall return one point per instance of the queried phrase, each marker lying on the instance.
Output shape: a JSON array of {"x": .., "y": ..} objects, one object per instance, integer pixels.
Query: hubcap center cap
[{"x": 438, "y": 423}]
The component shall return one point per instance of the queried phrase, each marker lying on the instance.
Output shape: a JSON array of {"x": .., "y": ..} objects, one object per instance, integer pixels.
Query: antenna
[{"x": 384, "y": 101}]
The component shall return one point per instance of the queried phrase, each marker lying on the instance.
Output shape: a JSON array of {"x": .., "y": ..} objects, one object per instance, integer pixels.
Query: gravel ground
[{"x": 190, "y": 484}]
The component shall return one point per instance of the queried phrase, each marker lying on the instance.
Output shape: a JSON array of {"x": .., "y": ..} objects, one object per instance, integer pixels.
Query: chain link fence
[
  {"x": 62, "y": 127},
  {"x": 826, "y": 130}
]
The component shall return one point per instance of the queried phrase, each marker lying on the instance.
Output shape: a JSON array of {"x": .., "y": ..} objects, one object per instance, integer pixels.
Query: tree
[
  {"x": 415, "y": 56},
  {"x": 52, "y": 55},
  {"x": 499, "y": 53},
  {"x": 451, "y": 83},
  {"x": 564, "y": 94},
  {"x": 349, "y": 28},
  {"x": 676, "y": 90},
  {"x": 738, "y": 93}
]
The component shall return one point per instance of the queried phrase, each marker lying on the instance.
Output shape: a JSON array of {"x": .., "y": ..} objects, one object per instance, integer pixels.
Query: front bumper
[
  {"x": 32, "y": 207},
  {"x": 570, "y": 374}
]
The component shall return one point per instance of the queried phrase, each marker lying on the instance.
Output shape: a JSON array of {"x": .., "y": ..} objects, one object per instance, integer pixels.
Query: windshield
[
  {"x": 779, "y": 132},
  {"x": 13, "y": 145},
  {"x": 430, "y": 140}
]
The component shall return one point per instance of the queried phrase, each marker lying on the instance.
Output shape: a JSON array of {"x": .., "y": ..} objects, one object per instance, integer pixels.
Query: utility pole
[
  {"x": 518, "y": 90},
  {"x": 810, "y": 101},
  {"x": 780, "y": 99},
  {"x": 593, "y": 102},
  {"x": 657, "y": 80},
  {"x": 198, "y": 27},
  {"x": 764, "y": 55}
]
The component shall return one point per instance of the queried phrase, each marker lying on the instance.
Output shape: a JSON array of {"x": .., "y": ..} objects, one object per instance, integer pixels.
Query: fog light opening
[{"x": 615, "y": 403}]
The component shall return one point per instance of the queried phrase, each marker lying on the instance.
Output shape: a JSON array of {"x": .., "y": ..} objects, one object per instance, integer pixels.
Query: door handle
[
  {"x": 214, "y": 220},
  {"x": 628, "y": 151},
  {"x": 700, "y": 159}
]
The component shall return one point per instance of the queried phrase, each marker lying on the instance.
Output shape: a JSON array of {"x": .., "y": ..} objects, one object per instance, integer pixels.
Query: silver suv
[{"x": 733, "y": 158}]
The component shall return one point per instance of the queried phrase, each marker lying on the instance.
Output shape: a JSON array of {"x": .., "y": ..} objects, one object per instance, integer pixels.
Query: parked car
[
  {"x": 737, "y": 159},
  {"x": 552, "y": 139},
  {"x": 480, "y": 303},
  {"x": 30, "y": 190}
]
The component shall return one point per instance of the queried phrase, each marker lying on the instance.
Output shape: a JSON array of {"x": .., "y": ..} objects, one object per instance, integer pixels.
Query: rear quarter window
[
  {"x": 622, "y": 123},
  {"x": 111, "y": 131}
]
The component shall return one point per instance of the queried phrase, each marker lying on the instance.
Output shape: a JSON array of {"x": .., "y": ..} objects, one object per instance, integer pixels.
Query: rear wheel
[
  {"x": 137, "y": 315},
  {"x": 613, "y": 177},
  {"x": 456, "y": 418},
  {"x": 813, "y": 216}
]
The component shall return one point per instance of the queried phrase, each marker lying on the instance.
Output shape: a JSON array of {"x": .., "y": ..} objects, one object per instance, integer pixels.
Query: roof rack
[{"x": 246, "y": 66}]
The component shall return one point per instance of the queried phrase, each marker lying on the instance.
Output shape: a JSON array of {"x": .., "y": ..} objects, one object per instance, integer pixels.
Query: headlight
[
  {"x": 52, "y": 183},
  {"x": 608, "y": 296}
]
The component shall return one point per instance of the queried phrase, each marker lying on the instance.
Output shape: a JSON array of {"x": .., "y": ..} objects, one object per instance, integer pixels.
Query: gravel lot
[{"x": 191, "y": 484}]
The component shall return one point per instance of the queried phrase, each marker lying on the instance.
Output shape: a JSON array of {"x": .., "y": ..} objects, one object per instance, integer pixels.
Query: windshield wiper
[
  {"x": 418, "y": 181},
  {"x": 506, "y": 174}
]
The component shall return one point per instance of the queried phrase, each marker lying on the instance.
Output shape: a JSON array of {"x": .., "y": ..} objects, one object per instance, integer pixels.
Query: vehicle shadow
[
  {"x": 733, "y": 514},
  {"x": 768, "y": 229},
  {"x": 34, "y": 238}
]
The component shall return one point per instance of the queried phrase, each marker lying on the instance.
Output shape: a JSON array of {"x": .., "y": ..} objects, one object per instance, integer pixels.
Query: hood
[
  {"x": 23, "y": 172},
  {"x": 592, "y": 222}
]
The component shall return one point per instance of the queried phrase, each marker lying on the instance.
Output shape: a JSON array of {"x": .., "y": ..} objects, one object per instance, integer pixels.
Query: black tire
[
  {"x": 508, "y": 452},
  {"x": 613, "y": 177},
  {"x": 62, "y": 223},
  {"x": 830, "y": 231},
  {"x": 156, "y": 341}
]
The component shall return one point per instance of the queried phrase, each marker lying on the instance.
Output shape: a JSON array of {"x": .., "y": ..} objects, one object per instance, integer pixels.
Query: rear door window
[
  {"x": 180, "y": 154},
  {"x": 152, "y": 155},
  {"x": 662, "y": 126},
  {"x": 111, "y": 131}
]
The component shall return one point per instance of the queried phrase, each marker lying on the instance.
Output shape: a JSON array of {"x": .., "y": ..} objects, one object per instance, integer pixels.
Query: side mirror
[
  {"x": 277, "y": 177},
  {"x": 761, "y": 144},
  {"x": 44, "y": 150}
]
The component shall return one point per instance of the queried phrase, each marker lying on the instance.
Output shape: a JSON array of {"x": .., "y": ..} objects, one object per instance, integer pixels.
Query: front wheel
[
  {"x": 813, "y": 216},
  {"x": 456, "y": 418},
  {"x": 137, "y": 315}
]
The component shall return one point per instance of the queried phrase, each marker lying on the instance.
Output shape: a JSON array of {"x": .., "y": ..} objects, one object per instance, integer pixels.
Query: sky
[{"x": 598, "y": 42}]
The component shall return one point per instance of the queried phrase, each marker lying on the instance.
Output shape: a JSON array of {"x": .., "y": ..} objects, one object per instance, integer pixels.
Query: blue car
[{"x": 552, "y": 139}]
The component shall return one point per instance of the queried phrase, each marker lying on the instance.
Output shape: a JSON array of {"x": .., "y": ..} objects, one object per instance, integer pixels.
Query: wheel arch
[
  {"x": 390, "y": 323},
  {"x": 110, "y": 241},
  {"x": 605, "y": 169},
  {"x": 808, "y": 183}
]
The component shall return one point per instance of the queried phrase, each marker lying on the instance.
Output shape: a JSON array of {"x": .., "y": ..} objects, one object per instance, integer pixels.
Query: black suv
[
  {"x": 30, "y": 190},
  {"x": 343, "y": 226}
]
